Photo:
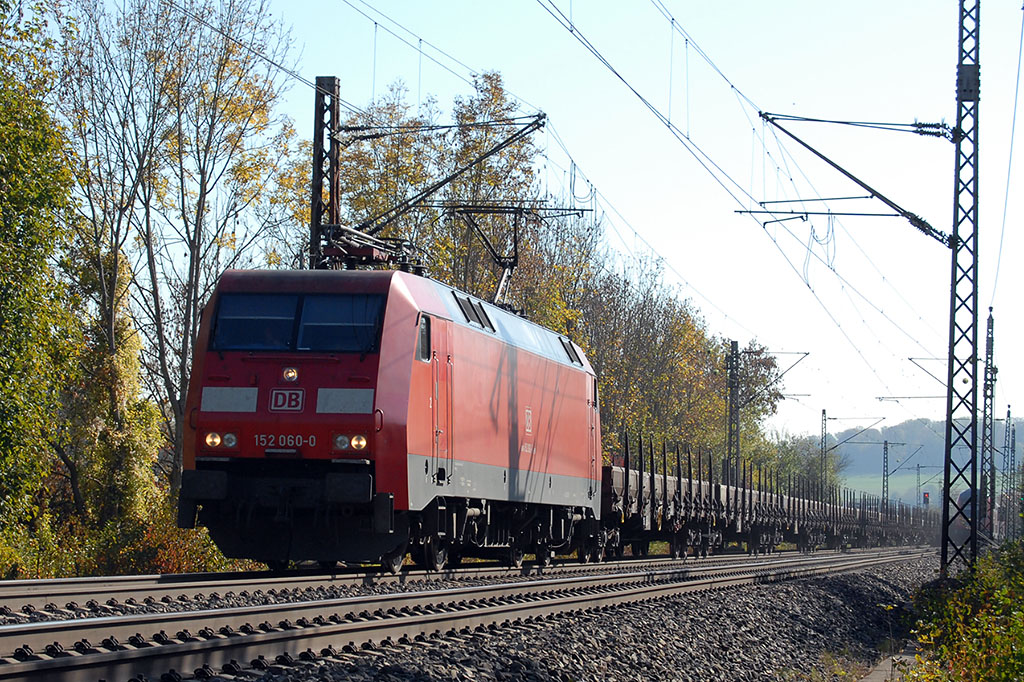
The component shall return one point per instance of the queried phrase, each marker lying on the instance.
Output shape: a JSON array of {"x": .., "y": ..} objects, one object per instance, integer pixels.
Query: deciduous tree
[{"x": 35, "y": 184}]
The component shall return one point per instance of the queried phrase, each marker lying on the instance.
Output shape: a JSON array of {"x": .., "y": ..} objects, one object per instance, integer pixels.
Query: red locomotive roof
[
  {"x": 427, "y": 295},
  {"x": 314, "y": 281}
]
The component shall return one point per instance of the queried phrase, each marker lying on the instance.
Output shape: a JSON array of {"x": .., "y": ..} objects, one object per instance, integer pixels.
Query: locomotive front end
[{"x": 282, "y": 435}]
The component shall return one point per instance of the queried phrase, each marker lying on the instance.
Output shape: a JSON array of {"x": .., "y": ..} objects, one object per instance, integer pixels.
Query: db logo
[{"x": 287, "y": 399}]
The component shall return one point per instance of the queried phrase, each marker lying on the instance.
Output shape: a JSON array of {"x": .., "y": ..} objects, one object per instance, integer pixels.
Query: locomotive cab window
[
  {"x": 423, "y": 345},
  {"x": 341, "y": 323},
  {"x": 337, "y": 323},
  {"x": 255, "y": 322}
]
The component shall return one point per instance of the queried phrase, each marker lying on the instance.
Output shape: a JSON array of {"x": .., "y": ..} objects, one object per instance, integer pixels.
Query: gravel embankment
[{"x": 784, "y": 631}]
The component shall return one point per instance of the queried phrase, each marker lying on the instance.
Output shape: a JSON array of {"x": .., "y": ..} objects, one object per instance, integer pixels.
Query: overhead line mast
[
  {"x": 1006, "y": 490},
  {"x": 332, "y": 245},
  {"x": 987, "y": 490},
  {"x": 960, "y": 468}
]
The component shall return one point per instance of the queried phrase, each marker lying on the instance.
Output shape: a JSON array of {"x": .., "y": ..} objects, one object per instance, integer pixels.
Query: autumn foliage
[{"x": 144, "y": 154}]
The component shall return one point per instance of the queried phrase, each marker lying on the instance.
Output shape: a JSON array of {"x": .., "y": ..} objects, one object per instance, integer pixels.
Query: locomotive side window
[
  {"x": 344, "y": 323},
  {"x": 467, "y": 309},
  {"x": 570, "y": 351},
  {"x": 255, "y": 322},
  {"x": 474, "y": 312},
  {"x": 482, "y": 314},
  {"x": 423, "y": 346}
]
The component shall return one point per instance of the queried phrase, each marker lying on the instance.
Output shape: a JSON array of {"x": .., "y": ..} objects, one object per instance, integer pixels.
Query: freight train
[{"x": 360, "y": 415}]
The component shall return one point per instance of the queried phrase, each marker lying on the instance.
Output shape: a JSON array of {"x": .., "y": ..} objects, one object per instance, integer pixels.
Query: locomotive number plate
[{"x": 284, "y": 440}]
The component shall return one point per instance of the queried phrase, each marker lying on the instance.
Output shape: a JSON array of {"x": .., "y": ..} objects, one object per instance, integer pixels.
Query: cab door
[
  {"x": 441, "y": 403},
  {"x": 593, "y": 445}
]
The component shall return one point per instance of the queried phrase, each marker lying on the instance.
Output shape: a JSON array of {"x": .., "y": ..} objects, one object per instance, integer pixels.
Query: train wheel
[
  {"x": 639, "y": 548},
  {"x": 393, "y": 560},
  {"x": 544, "y": 554},
  {"x": 585, "y": 552},
  {"x": 675, "y": 548},
  {"x": 515, "y": 556},
  {"x": 436, "y": 551}
]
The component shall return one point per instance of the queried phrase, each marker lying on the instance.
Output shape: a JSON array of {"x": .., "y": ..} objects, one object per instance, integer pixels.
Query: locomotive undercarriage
[
  {"x": 297, "y": 510},
  {"x": 451, "y": 529}
]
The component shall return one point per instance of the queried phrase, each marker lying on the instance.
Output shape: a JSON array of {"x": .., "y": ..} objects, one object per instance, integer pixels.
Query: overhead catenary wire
[
  {"x": 784, "y": 156},
  {"x": 704, "y": 160},
  {"x": 1009, "y": 162},
  {"x": 697, "y": 153},
  {"x": 352, "y": 108},
  {"x": 636, "y": 234},
  {"x": 474, "y": 72},
  {"x": 939, "y": 128}
]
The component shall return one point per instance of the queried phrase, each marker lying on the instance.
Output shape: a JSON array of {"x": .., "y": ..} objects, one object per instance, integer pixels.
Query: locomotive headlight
[
  {"x": 230, "y": 440},
  {"x": 358, "y": 442},
  {"x": 341, "y": 442},
  {"x": 213, "y": 440},
  {"x": 290, "y": 374}
]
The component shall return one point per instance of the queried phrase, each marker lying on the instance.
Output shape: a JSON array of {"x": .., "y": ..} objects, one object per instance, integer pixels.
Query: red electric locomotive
[{"x": 355, "y": 415}]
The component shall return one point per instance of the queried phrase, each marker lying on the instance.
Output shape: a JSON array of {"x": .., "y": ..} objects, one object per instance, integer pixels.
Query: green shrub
[
  {"x": 973, "y": 629},
  {"x": 123, "y": 546}
]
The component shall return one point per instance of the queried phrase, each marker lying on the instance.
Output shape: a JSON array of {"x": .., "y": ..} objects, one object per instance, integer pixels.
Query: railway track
[
  {"x": 27, "y": 601},
  {"x": 286, "y": 634}
]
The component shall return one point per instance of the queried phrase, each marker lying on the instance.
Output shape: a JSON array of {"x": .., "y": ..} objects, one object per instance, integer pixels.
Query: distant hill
[{"x": 863, "y": 456}]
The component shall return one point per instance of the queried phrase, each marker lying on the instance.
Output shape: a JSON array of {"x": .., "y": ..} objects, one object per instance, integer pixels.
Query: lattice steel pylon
[
  {"x": 987, "y": 489},
  {"x": 1015, "y": 505},
  {"x": 960, "y": 468},
  {"x": 733, "y": 428},
  {"x": 1006, "y": 490},
  {"x": 325, "y": 202},
  {"x": 824, "y": 439},
  {"x": 885, "y": 477}
]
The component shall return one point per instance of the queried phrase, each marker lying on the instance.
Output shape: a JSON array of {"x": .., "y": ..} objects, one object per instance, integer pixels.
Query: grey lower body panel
[{"x": 497, "y": 483}]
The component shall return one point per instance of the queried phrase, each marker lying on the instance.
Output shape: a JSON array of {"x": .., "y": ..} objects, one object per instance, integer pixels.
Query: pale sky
[{"x": 871, "y": 292}]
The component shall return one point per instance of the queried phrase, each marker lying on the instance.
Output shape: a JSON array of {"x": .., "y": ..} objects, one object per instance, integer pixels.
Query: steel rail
[
  {"x": 16, "y": 595},
  {"x": 394, "y": 617}
]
